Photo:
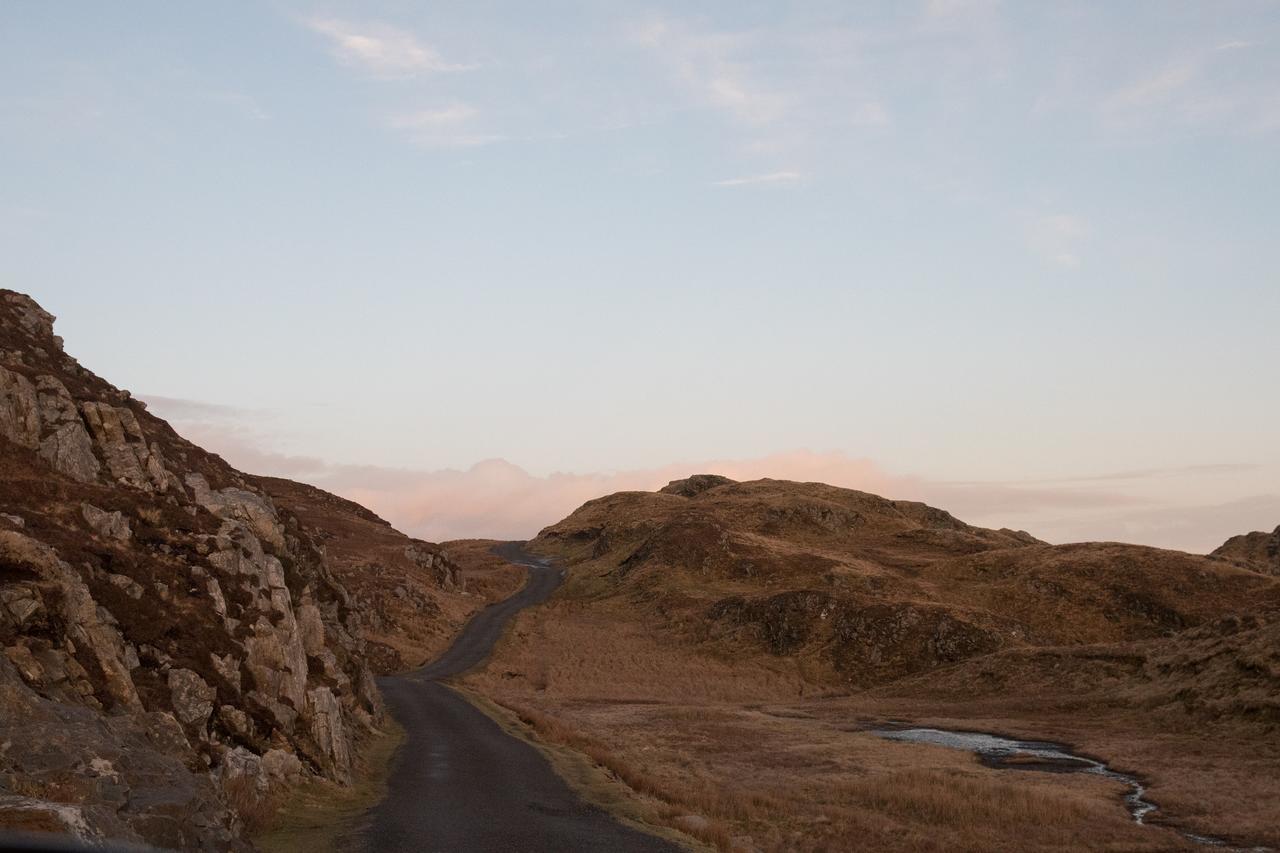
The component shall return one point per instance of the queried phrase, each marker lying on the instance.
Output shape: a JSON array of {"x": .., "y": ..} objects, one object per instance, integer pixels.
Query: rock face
[
  {"x": 410, "y": 593},
  {"x": 165, "y": 627},
  {"x": 1257, "y": 551}
]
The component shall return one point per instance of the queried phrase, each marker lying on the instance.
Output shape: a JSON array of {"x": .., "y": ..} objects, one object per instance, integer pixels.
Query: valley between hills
[{"x": 197, "y": 658}]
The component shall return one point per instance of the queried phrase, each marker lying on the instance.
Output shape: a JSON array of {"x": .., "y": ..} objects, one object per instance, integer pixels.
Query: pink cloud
[{"x": 497, "y": 499}]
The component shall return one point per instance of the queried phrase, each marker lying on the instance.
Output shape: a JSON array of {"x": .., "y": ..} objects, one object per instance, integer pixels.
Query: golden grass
[
  {"x": 575, "y": 758},
  {"x": 745, "y": 751},
  {"x": 902, "y": 797},
  {"x": 255, "y": 809}
]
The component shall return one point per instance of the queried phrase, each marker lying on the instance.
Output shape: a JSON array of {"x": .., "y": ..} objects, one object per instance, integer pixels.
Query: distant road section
[{"x": 460, "y": 784}]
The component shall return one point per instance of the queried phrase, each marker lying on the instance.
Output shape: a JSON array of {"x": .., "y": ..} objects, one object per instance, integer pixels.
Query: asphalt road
[{"x": 460, "y": 784}]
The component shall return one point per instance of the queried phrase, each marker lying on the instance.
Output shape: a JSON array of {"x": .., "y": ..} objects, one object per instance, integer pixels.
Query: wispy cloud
[
  {"x": 498, "y": 499},
  {"x": 709, "y": 68},
  {"x": 1153, "y": 89},
  {"x": 181, "y": 408},
  {"x": 1134, "y": 474},
  {"x": 1199, "y": 528},
  {"x": 1213, "y": 89},
  {"x": 382, "y": 50},
  {"x": 771, "y": 179},
  {"x": 446, "y": 127}
]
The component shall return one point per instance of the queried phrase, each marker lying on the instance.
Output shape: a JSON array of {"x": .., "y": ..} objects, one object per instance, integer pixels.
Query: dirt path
[{"x": 460, "y": 784}]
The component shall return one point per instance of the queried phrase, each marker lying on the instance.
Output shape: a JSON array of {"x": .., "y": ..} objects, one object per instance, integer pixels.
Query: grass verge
[
  {"x": 317, "y": 815},
  {"x": 592, "y": 773}
]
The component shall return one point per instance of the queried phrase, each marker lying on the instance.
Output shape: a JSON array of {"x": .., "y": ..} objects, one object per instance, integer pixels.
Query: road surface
[{"x": 460, "y": 784}]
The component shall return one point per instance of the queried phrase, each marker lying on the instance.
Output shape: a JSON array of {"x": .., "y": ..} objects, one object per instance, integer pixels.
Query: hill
[
  {"x": 176, "y": 642},
  {"x": 868, "y": 589},
  {"x": 727, "y": 650}
]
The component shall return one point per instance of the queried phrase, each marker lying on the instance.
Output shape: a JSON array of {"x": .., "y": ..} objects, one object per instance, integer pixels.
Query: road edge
[{"x": 589, "y": 780}]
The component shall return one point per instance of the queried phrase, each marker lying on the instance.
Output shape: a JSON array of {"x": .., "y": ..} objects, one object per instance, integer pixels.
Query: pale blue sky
[{"x": 967, "y": 240}]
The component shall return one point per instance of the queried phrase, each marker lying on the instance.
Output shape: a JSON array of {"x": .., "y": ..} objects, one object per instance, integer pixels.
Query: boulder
[
  {"x": 112, "y": 525},
  {"x": 192, "y": 698},
  {"x": 66, "y": 444},
  {"x": 329, "y": 732},
  {"x": 280, "y": 767}
]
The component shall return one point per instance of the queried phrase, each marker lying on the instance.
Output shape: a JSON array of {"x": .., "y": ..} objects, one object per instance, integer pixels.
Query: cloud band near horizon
[{"x": 496, "y": 499}]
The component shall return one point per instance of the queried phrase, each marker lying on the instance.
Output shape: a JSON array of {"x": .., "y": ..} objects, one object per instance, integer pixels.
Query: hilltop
[
  {"x": 1257, "y": 551},
  {"x": 868, "y": 589}
]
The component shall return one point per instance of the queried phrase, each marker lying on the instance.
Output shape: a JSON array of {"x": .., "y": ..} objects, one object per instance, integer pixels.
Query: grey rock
[
  {"x": 124, "y": 445},
  {"x": 87, "y": 626},
  {"x": 311, "y": 628},
  {"x": 282, "y": 768},
  {"x": 36, "y": 321},
  {"x": 327, "y": 729},
  {"x": 192, "y": 698},
  {"x": 23, "y": 603},
  {"x": 98, "y": 777},
  {"x": 228, "y": 666},
  {"x": 131, "y": 588},
  {"x": 19, "y": 409},
  {"x": 112, "y": 525},
  {"x": 66, "y": 445},
  {"x": 254, "y": 510}
]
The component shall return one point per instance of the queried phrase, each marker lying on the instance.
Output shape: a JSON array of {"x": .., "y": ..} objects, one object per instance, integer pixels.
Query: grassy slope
[{"x": 755, "y": 726}]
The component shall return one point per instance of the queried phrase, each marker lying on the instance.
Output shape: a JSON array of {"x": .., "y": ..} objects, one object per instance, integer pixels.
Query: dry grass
[
  {"x": 599, "y": 652},
  {"x": 319, "y": 816},
  {"x": 485, "y": 575},
  {"x": 766, "y": 793},
  {"x": 723, "y": 656},
  {"x": 255, "y": 809},
  {"x": 729, "y": 750}
]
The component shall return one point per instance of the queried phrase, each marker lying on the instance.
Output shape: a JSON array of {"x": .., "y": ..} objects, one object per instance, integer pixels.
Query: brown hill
[
  {"x": 1258, "y": 551},
  {"x": 170, "y": 633},
  {"x": 728, "y": 651},
  {"x": 868, "y": 590}
]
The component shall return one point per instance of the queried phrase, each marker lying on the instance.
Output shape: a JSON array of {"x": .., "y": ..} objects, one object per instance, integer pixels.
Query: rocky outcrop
[
  {"x": 1259, "y": 552},
  {"x": 67, "y": 768},
  {"x": 165, "y": 627},
  {"x": 66, "y": 444},
  {"x": 111, "y": 524},
  {"x": 411, "y": 594},
  {"x": 695, "y": 485}
]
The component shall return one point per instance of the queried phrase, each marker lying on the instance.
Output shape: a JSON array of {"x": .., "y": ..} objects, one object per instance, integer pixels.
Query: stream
[{"x": 1003, "y": 753}]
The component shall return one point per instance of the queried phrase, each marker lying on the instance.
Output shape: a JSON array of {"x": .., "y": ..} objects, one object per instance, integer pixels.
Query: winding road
[{"x": 460, "y": 784}]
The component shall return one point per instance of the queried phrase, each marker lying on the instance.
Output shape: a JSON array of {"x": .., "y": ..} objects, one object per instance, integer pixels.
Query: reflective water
[{"x": 1010, "y": 754}]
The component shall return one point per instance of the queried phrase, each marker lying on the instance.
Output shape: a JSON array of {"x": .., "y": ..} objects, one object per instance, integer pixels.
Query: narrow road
[{"x": 460, "y": 784}]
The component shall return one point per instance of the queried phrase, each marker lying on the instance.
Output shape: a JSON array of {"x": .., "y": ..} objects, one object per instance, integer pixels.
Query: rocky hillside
[
  {"x": 1258, "y": 551},
  {"x": 412, "y": 595},
  {"x": 169, "y": 632},
  {"x": 862, "y": 590}
]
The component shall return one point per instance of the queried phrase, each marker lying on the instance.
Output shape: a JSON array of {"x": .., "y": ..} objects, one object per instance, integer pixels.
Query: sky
[{"x": 474, "y": 263}]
